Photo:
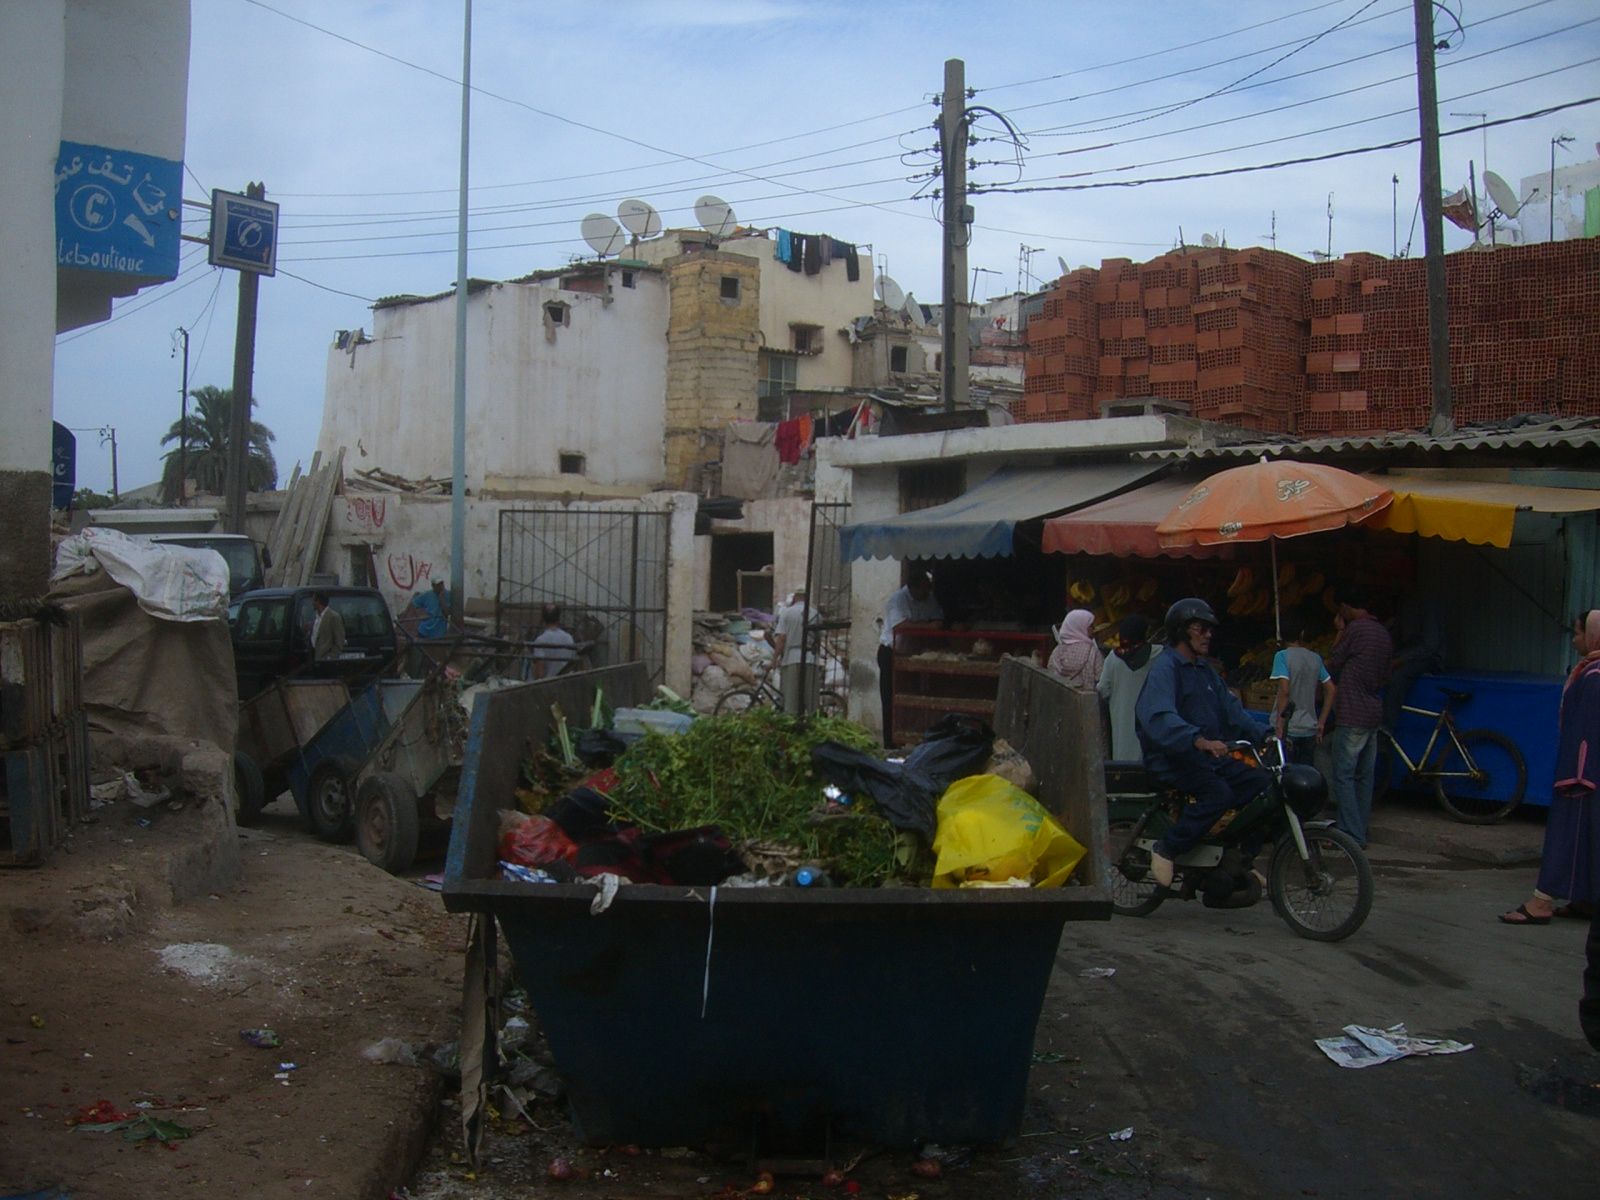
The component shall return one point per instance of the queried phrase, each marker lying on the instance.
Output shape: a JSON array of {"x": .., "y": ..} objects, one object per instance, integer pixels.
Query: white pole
[{"x": 458, "y": 476}]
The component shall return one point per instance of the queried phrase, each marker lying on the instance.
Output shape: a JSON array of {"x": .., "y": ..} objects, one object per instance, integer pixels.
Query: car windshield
[{"x": 364, "y": 615}]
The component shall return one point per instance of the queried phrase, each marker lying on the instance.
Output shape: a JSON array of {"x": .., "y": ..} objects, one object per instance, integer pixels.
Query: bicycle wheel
[
  {"x": 740, "y": 700},
  {"x": 1327, "y": 896},
  {"x": 830, "y": 704},
  {"x": 1485, "y": 785},
  {"x": 1134, "y": 891}
]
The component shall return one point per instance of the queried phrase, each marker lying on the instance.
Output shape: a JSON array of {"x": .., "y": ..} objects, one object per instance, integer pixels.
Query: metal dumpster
[{"x": 781, "y": 1018}]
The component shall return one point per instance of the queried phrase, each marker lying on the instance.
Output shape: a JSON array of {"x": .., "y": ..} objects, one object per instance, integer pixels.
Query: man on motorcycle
[{"x": 1185, "y": 717}]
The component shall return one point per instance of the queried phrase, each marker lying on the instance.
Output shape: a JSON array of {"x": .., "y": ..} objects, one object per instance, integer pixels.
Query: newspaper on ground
[{"x": 1364, "y": 1046}]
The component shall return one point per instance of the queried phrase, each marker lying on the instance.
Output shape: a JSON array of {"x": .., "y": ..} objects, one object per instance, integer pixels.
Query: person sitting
[
  {"x": 554, "y": 648},
  {"x": 1185, "y": 716}
]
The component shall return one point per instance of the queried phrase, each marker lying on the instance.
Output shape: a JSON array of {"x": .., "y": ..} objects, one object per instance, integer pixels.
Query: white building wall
[
  {"x": 1570, "y": 183},
  {"x": 595, "y": 387}
]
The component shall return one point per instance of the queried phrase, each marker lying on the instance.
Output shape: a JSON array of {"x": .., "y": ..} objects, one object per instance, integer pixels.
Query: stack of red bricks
[
  {"x": 1267, "y": 341},
  {"x": 1059, "y": 368}
]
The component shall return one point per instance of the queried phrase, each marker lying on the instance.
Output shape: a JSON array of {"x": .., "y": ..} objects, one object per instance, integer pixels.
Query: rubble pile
[{"x": 730, "y": 651}]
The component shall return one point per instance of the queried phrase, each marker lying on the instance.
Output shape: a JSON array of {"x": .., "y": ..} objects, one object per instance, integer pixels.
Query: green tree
[
  {"x": 209, "y": 422},
  {"x": 87, "y": 498}
]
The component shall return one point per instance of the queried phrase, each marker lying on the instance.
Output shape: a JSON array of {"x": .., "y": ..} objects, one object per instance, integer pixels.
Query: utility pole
[
  {"x": 458, "y": 470},
  {"x": 957, "y": 223},
  {"x": 1563, "y": 140},
  {"x": 1394, "y": 216},
  {"x": 1433, "y": 222},
  {"x": 244, "y": 366},
  {"x": 108, "y": 433},
  {"x": 181, "y": 334}
]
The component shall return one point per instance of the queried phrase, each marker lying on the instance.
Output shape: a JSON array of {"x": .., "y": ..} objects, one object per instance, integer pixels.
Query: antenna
[
  {"x": 1025, "y": 255},
  {"x": 639, "y": 218},
  {"x": 714, "y": 215},
  {"x": 602, "y": 233},
  {"x": 889, "y": 292},
  {"x": 1273, "y": 236},
  {"x": 1330, "y": 226}
]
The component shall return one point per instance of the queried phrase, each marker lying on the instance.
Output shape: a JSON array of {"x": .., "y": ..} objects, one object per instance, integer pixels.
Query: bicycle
[
  {"x": 765, "y": 694},
  {"x": 1478, "y": 775}
]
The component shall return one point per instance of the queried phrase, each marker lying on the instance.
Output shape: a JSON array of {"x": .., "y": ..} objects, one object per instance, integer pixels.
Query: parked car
[
  {"x": 243, "y": 556},
  {"x": 272, "y": 636}
]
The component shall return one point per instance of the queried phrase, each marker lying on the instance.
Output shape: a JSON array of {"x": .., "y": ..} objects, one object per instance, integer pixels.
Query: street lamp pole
[{"x": 182, "y": 335}]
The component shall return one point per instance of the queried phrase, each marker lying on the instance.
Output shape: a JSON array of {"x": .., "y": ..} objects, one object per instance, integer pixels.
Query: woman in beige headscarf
[{"x": 1077, "y": 658}]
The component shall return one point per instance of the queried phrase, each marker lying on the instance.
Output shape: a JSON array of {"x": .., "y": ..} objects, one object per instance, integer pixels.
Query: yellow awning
[{"x": 1464, "y": 509}]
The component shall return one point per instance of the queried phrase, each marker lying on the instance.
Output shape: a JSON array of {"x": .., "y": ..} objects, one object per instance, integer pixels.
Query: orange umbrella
[{"x": 1268, "y": 500}]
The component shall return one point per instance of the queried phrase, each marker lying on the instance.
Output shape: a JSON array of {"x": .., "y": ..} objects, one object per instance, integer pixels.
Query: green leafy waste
[
  {"x": 750, "y": 773},
  {"x": 143, "y": 1128}
]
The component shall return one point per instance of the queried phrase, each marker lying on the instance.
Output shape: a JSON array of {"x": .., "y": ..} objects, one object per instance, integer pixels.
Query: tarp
[
  {"x": 1461, "y": 509},
  {"x": 1124, "y": 525},
  {"x": 981, "y": 523},
  {"x": 174, "y": 583}
]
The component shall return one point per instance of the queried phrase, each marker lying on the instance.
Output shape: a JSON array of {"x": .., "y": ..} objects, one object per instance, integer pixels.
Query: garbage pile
[
  {"x": 764, "y": 799},
  {"x": 729, "y": 652}
]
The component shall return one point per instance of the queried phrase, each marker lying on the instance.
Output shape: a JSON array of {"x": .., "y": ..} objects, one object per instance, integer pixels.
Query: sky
[{"x": 813, "y": 115}]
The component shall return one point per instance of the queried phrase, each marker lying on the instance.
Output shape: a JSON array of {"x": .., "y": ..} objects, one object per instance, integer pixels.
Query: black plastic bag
[
  {"x": 598, "y": 747},
  {"x": 905, "y": 797},
  {"x": 953, "y": 747}
]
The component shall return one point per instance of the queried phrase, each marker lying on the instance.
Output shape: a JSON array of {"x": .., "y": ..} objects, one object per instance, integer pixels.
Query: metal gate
[
  {"x": 606, "y": 567},
  {"x": 827, "y": 635}
]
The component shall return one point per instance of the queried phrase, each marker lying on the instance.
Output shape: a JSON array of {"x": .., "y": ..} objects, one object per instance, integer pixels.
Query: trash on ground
[
  {"x": 141, "y": 1127},
  {"x": 261, "y": 1039},
  {"x": 1365, "y": 1046},
  {"x": 390, "y": 1051},
  {"x": 1122, "y": 1135},
  {"x": 1097, "y": 973}
]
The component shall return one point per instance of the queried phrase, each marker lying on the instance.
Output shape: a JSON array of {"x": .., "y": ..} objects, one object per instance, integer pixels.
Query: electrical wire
[
  {"x": 1291, "y": 162},
  {"x": 325, "y": 287},
  {"x": 172, "y": 289}
]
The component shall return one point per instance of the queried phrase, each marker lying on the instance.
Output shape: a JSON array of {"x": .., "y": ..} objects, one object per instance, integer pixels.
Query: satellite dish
[
  {"x": 639, "y": 218},
  {"x": 889, "y": 292},
  {"x": 715, "y": 217},
  {"x": 603, "y": 234},
  {"x": 912, "y": 310},
  {"x": 1502, "y": 195},
  {"x": 1062, "y": 263},
  {"x": 1208, "y": 240}
]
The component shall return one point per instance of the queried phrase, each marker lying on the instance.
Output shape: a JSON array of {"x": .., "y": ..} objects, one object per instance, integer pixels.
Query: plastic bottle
[{"x": 811, "y": 876}]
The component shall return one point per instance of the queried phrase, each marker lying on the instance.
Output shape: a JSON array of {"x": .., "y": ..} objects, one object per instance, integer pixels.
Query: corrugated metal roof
[{"x": 1574, "y": 433}]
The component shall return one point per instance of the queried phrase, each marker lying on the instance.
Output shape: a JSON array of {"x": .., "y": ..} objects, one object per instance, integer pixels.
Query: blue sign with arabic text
[{"x": 118, "y": 211}]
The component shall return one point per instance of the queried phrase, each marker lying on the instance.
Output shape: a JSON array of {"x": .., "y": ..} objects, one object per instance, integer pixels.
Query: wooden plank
[{"x": 319, "y": 515}]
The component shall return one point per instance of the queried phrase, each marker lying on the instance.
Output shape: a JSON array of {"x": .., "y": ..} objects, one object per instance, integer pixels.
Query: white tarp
[{"x": 174, "y": 583}]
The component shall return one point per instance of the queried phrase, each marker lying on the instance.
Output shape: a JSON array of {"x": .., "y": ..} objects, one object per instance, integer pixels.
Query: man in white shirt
[
  {"x": 554, "y": 648},
  {"x": 914, "y": 602},
  {"x": 788, "y": 636}
]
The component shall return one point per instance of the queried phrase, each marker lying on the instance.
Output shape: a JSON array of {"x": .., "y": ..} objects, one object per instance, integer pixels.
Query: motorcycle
[{"x": 1319, "y": 879}]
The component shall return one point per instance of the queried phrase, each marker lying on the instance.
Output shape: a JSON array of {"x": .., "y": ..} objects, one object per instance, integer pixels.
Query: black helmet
[
  {"x": 1304, "y": 789},
  {"x": 1189, "y": 609}
]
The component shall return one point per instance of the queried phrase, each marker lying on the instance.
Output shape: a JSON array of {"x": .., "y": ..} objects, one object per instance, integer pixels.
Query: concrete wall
[
  {"x": 107, "y": 74},
  {"x": 592, "y": 387},
  {"x": 1571, "y": 181},
  {"x": 827, "y": 299},
  {"x": 712, "y": 344}
]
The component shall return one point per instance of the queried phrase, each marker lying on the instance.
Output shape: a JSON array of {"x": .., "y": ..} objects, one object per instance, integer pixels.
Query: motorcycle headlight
[{"x": 1304, "y": 789}]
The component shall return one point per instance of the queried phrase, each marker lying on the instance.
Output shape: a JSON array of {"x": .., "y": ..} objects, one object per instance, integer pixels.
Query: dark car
[{"x": 272, "y": 636}]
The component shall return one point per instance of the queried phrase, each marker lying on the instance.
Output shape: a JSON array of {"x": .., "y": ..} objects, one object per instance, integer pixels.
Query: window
[
  {"x": 730, "y": 287},
  {"x": 627, "y": 279},
  {"x": 557, "y": 313},
  {"x": 572, "y": 464},
  {"x": 807, "y": 338},
  {"x": 898, "y": 356},
  {"x": 776, "y": 382},
  {"x": 262, "y": 621}
]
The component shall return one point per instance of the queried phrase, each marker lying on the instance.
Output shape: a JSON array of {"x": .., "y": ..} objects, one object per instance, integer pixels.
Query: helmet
[
  {"x": 1180, "y": 614},
  {"x": 1304, "y": 789}
]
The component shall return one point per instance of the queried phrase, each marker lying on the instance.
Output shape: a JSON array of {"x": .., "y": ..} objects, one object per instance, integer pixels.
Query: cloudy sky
[{"x": 810, "y": 114}]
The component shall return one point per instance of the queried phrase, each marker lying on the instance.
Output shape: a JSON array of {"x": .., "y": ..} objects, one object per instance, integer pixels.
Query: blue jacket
[{"x": 1183, "y": 700}]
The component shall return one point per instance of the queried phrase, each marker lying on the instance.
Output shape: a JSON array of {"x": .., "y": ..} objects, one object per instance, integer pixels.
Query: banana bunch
[
  {"x": 1251, "y": 603},
  {"x": 1299, "y": 588},
  {"x": 1081, "y": 593},
  {"x": 1147, "y": 590},
  {"x": 1242, "y": 583}
]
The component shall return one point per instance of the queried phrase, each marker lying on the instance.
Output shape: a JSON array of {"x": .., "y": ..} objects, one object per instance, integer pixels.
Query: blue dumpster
[{"x": 753, "y": 1016}]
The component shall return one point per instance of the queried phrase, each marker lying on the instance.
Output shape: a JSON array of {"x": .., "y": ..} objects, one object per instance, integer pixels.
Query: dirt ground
[{"x": 112, "y": 992}]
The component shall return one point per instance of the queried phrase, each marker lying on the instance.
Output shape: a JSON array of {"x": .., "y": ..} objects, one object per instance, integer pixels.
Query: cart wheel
[
  {"x": 328, "y": 800},
  {"x": 250, "y": 790},
  {"x": 387, "y": 822}
]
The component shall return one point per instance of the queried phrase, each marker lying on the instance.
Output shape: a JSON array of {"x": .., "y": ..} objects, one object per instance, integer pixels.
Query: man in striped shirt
[{"x": 1359, "y": 665}]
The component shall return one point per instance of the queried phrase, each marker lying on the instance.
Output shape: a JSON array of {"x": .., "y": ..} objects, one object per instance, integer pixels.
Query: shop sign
[{"x": 117, "y": 211}]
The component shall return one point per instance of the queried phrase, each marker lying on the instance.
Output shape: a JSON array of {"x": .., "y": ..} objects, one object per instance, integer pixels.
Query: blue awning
[{"x": 981, "y": 523}]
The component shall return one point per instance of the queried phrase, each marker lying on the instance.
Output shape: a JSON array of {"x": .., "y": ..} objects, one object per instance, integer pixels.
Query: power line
[
  {"x": 523, "y": 104},
  {"x": 164, "y": 293},
  {"x": 1289, "y": 162},
  {"x": 1290, "y": 137},
  {"x": 325, "y": 287}
]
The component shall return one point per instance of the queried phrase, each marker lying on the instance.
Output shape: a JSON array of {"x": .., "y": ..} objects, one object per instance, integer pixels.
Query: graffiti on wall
[
  {"x": 408, "y": 573},
  {"x": 365, "y": 514}
]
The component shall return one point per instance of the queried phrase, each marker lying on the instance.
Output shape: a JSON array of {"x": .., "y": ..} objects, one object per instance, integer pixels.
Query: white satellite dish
[
  {"x": 1208, "y": 240},
  {"x": 911, "y": 309},
  {"x": 603, "y": 234},
  {"x": 639, "y": 218},
  {"x": 715, "y": 217},
  {"x": 1062, "y": 263},
  {"x": 1502, "y": 195},
  {"x": 889, "y": 292}
]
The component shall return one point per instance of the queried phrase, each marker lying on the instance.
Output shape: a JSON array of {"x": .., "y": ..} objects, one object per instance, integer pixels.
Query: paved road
[{"x": 1203, "y": 1043}]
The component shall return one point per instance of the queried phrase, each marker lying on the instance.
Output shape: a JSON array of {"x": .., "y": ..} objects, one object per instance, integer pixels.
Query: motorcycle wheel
[
  {"x": 1134, "y": 892},
  {"x": 1328, "y": 896}
]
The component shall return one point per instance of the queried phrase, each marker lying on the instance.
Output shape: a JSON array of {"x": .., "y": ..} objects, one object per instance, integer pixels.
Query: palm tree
[{"x": 209, "y": 422}]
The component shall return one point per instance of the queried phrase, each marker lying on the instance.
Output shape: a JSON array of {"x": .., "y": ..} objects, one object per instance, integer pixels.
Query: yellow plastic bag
[{"x": 990, "y": 831}]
